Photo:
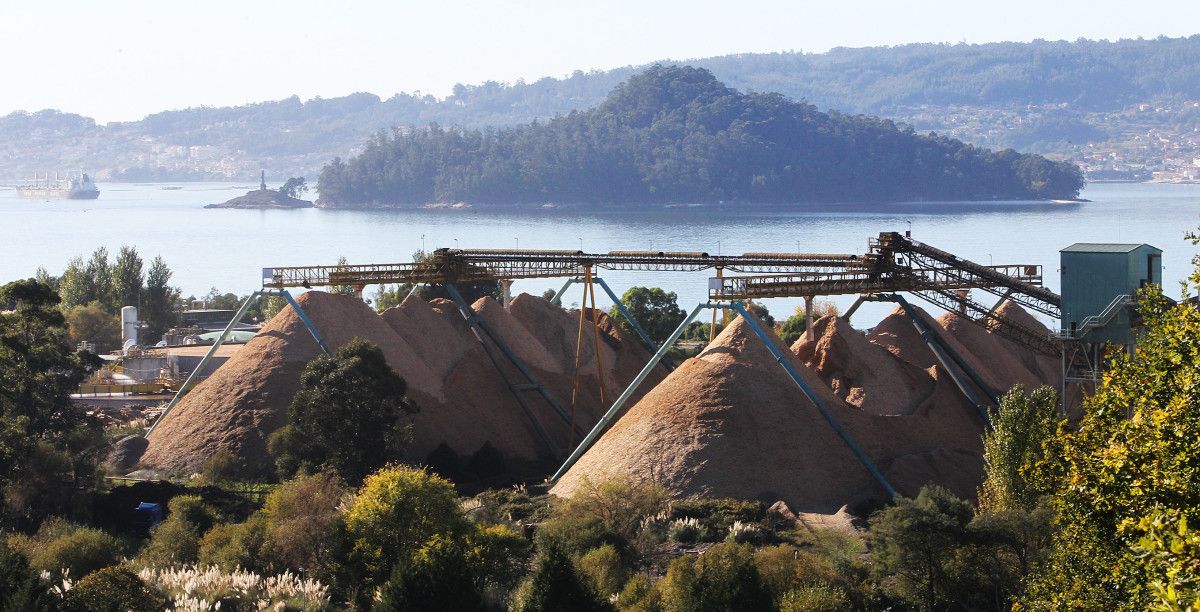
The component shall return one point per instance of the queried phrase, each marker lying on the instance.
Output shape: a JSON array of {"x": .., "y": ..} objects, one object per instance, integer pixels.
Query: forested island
[{"x": 675, "y": 134}]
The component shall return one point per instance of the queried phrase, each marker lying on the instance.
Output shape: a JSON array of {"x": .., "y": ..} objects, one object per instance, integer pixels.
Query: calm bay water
[{"x": 227, "y": 248}]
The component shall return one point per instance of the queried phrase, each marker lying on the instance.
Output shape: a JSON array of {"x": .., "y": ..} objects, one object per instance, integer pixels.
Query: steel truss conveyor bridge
[
  {"x": 897, "y": 264},
  {"x": 893, "y": 264},
  {"x": 474, "y": 265}
]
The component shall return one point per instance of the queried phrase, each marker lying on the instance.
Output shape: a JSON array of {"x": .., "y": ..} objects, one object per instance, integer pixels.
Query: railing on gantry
[{"x": 471, "y": 265}]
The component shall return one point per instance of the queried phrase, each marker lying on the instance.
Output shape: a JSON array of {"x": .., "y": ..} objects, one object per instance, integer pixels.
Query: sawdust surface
[
  {"x": 730, "y": 423},
  {"x": 463, "y": 398}
]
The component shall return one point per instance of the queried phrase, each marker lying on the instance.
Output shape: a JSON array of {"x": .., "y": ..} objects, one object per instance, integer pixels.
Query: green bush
[
  {"x": 576, "y": 534},
  {"x": 221, "y": 468},
  {"x": 397, "y": 510},
  {"x": 20, "y": 587},
  {"x": 679, "y": 586},
  {"x": 499, "y": 555},
  {"x": 639, "y": 595},
  {"x": 299, "y": 518},
  {"x": 608, "y": 511},
  {"x": 815, "y": 598},
  {"x": 556, "y": 585},
  {"x": 192, "y": 510},
  {"x": 438, "y": 577},
  {"x": 508, "y": 506},
  {"x": 604, "y": 569},
  {"x": 176, "y": 540},
  {"x": 784, "y": 568},
  {"x": 292, "y": 531},
  {"x": 232, "y": 546},
  {"x": 723, "y": 578},
  {"x": 171, "y": 542},
  {"x": 112, "y": 589},
  {"x": 60, "y": 544},
  {"x": 82, "y": 552},
  {"x": 839, "y": 548}
]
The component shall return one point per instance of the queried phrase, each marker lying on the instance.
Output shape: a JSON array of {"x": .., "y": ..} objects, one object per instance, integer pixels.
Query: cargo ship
[{"x": 80, "y": 187}]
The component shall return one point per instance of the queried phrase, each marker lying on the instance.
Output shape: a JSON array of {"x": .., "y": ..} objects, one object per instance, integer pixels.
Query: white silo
[{"x": 129, "y": 325}]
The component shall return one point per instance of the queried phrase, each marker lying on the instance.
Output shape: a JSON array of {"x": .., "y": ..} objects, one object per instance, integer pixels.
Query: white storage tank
[{"x": 129, "y": 326}]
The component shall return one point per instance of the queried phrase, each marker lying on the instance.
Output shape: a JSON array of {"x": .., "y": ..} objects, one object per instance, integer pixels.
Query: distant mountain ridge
[
  {"x": 296, "y": 137},
  {"x": 676, "y": 135}
]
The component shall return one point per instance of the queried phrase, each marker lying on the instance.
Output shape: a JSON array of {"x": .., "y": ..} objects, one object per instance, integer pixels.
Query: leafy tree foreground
[{"x": 1127, "y": 481}]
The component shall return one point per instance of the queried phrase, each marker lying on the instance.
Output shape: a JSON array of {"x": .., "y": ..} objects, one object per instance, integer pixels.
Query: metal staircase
[{"x": 1096, "y": 321}]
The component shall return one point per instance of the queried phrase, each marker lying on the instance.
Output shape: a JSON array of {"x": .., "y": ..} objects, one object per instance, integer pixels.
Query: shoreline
[{"x": 848, "y": 206}]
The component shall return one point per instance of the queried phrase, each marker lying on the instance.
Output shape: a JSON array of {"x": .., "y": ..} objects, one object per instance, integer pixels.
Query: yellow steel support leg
[
  {"x": 596, "y": 341},
  {"x": 587, "y": 283}
]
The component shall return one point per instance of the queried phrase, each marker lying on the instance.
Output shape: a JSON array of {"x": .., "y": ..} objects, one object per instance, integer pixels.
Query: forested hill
[{"x": 675, "y": 134}]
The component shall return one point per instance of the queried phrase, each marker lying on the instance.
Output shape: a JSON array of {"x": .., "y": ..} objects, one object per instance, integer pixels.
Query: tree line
[
  {"x": 92, "y": 292},
  {"x": 674, "y": 134}
]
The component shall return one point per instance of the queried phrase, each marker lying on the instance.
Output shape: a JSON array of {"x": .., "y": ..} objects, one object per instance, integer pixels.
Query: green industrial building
[{"x": 1099, "y": 283}]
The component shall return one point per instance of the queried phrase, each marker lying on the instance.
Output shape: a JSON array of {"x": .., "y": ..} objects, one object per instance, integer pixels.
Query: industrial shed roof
[{"x": 1104, "y": 247}]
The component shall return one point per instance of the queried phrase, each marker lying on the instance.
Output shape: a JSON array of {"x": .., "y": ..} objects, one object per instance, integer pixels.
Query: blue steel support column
[
  {"x": 312, "y": 329},
  {"x": 812, "y": 397},
  {"x": 557, "y": 299},
  {"x": 516, "y": 393},
  {"x": 945, "y": 355},
  {"x": 628, "y": 317},
  {"x": 600, "y": 426},
  {"x": 196, "y": 373},
  {"x": 474, "y": 321}
]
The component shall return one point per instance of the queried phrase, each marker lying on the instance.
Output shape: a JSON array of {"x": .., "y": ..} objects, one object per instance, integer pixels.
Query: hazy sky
[{"x": 122, "y": 59}]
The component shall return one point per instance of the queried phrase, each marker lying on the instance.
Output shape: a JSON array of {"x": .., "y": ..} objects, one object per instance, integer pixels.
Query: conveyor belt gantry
[{"x": 894, "y": 263}]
